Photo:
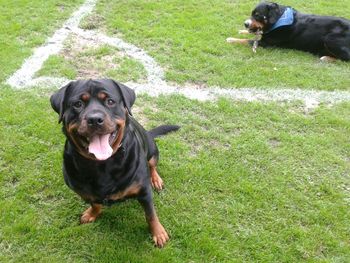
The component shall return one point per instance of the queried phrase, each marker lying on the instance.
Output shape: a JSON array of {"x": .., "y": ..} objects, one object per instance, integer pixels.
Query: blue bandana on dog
[{"x": 285, "y": 20}]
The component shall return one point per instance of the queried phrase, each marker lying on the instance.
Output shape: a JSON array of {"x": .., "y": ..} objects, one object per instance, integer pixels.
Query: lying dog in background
[
  {"x": 284, "y": 27},
  {"x": 108, "y": 155}
]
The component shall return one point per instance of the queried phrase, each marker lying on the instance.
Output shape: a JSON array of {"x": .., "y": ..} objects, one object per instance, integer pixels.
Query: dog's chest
[{"x": 107, "y": 196}]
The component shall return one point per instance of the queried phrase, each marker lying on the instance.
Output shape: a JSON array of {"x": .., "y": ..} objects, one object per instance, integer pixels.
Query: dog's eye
[
  {"x": 110, "y": 102},
  {"x": 78, "y": 104}
]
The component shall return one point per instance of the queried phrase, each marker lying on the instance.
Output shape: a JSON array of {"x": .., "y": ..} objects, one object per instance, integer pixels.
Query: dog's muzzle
[{"x": 248, "y": 23}]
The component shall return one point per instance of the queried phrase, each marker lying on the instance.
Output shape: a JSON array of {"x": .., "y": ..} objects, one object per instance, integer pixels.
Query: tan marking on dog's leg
[
  {"x": 328, "y": 59},
  {"x": 156, "y": 180},
  {"x": 91, "y": 214},
  {"x": 159, "y": 234},
  {"x": 233, "y": 40}
]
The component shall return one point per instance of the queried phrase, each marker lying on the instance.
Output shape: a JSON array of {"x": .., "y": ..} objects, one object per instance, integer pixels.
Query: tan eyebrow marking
[
  {"x": 85, "y": 97},
  {"x": 102, "y": 95}
]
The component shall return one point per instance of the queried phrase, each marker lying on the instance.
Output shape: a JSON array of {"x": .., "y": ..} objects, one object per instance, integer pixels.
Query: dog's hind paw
[
  {"x": 156, "y": 180},
  {"x": 327, "y": 59}
]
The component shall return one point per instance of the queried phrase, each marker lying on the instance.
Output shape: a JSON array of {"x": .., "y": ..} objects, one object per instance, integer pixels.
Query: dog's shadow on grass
[{"x": 123, "y": 225}]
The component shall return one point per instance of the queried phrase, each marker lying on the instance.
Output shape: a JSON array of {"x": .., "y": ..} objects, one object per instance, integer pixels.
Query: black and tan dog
[
  {"x": 108, "y": 155},
  {"x": 283, "y": 26}
]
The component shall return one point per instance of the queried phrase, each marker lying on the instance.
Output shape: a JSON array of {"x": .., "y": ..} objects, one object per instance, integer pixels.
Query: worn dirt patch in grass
[{"x": 82, "y": 58}]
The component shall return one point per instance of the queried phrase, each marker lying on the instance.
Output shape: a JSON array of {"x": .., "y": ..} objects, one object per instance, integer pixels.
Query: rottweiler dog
[
  {"x": 108, "y": 156},
  {"x": 285, "y": 27}
]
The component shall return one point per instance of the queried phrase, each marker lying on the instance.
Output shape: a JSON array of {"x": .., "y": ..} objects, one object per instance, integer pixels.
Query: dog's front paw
[
  {"x": 90, "y": 214},
  {"x": 231, "y": 40},
  {"x": 244, "y": 32},
  {"x": 160, "y": 236}
]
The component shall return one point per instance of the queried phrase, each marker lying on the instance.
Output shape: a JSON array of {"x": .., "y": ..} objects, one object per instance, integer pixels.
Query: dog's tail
[{"x": 162, "y": 130}]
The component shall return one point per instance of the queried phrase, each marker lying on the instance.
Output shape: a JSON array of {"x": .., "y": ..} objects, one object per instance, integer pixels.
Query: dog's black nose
[
  {"x": 247, "y": 23},
  {"x": 95, "y": 119}
]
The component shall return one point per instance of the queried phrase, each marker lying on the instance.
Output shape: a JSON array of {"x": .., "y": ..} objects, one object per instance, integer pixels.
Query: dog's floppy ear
[
  {"x": 57, "y": 100},
  {"x": 128, "y": 95},
  {"x": 274, "y": 13}
]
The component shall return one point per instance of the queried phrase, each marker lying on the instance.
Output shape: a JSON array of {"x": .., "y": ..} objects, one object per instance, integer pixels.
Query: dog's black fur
[
  {"x": 91, "y": 108},
  {"x": 321, "y": 35}
]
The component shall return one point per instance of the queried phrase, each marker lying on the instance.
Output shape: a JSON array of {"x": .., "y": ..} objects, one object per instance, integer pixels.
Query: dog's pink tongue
[{"x": 99, "y": 146}]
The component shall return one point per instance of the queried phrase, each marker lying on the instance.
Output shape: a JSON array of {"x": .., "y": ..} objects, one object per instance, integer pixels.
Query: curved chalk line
[{"x": 156, "y": 84}]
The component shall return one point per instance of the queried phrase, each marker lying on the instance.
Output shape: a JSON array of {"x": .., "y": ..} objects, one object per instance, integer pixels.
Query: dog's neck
[{"x": 286, "y": 19}]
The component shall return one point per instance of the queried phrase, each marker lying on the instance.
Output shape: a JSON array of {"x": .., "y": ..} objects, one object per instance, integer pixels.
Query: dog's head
[
  {"x": 94, "y": 114},
  {"x": 264, "y": 16}
]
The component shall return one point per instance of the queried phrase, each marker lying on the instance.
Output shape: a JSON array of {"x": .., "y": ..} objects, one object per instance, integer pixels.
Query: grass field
[
  {"x": 245, "y": 182},
  {"x": 188, "y": 39}
]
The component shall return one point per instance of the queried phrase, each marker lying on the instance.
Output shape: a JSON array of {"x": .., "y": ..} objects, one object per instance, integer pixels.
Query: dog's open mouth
[
  {"x": 101, "y": 145},
  {"x": 97, "y": 145},
  {"x": 253, "y": 30},
  {"x": 254, "y": 26}
]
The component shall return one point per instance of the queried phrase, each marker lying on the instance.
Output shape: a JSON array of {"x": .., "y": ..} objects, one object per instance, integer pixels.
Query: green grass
[
  {"x": 58, "y": 66},
  {"x": 82, "y": 61},
  {"x": 26, "y": 24},
  {"x": 188, "y": 39},
  {"x": 245, "y": 182}
]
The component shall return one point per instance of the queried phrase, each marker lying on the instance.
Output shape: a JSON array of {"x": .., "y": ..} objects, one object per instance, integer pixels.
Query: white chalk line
[
  {"x": 155, "y": 73},
  {"x": 22, "y": 78},
  {"x": 156, "y": 84}
]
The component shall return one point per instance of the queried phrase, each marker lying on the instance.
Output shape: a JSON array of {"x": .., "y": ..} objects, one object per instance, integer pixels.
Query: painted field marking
[
  {"x": 156, "y": 85},
  {"x": 23, "y": 77}
]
